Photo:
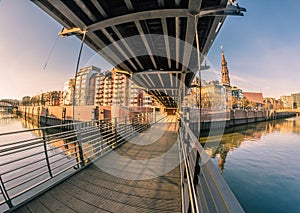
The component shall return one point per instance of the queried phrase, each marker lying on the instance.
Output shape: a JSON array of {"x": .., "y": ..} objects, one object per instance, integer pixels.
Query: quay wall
[
  {"x": 221, "y": 120},
  {"x": 56, "y": 115}
]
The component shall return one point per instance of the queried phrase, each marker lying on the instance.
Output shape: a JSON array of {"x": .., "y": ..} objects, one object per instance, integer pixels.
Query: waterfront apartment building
[
  {"x": 121, "y": 89},
  {"x": 138, "y": 97},
  {"x": 85, "y": 87},
  {"x": 106, "y": 89}
]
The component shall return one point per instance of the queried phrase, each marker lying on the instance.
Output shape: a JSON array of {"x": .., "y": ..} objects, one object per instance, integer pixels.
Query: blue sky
[{"x": 261, "y": 48}]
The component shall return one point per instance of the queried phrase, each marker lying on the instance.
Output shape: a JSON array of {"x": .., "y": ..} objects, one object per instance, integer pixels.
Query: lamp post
[
  {"x": 229, "y": 10},
  {"x": 69, "y": 32}
]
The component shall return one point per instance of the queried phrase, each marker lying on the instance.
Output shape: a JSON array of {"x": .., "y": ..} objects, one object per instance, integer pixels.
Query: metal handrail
[
  {"x": 198, "y": 172},
  {"x": 63, "y": 152}
]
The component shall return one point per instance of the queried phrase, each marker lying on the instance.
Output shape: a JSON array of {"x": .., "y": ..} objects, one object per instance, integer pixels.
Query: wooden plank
[
  {"x": 71, "y": 201},
  {"x": 52, "y": 203}
]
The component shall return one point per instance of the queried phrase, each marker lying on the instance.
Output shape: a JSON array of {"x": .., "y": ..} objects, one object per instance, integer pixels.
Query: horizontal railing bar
[
  {"x": 70, "y": 142},
  {"x": 60, "y": 165},
  {"x": 88, "y": 131},
  {"x": 110, "y": 137},
  {"x": 91, "y": 143},
  {"x": 21, "y": 142},
  {"x": 53, "y": 140},
  {"x": 57, "y": 135},
  {"x": 89, "y": 136},
  {"x": 32, "y": 187},
  {"x": 70, "y": 167},
  {"x": 86, "y": 153},
  {"x": 93, "y": 146},
  {"x": 26, "y": 181},
  {"x": 23, "y": 166},
  {"x": 41, "y": 128},
  {"x": 58, "y": 147},
  {"x": 23, "y": 174},
  {"x": 16, "y": 160},
  {"x": 64, "y": 152},
  {"x": 21, "y": 150},
  {"x": 104, "y": 132},
  {"x": 65, "y": 157},
  {"x": 96, "y": 138},
  {"x": 93, "y": 140}
]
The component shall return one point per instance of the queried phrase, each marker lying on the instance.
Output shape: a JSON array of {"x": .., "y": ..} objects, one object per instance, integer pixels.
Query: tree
[
  {"x": 26, "y": 101},
  {"x": 35, "y": 100},
  {"x": 235, "y": 102},
  {"x": 245, "y": 103}
]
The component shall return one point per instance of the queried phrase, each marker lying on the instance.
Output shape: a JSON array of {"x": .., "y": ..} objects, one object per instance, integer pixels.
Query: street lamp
[
  {"x": 66, "y": 33},
  {"x": 229, "y": 10}
]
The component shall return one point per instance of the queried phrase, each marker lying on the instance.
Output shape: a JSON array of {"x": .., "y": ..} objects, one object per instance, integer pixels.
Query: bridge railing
[
  {"x": 33, "y": 160},
  {"x": 203, "y": 188}
]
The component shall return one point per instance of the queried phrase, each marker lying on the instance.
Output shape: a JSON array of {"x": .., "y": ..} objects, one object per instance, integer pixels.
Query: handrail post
[
  {"x": 80, "y": 146},
  {"x": 46, "y": 153},
  {"x": 126, "y": 127},
  {"x": 116, "y": 135},
  {"x": 101, "y": 135},
  {"x": 5, "y": 194}
]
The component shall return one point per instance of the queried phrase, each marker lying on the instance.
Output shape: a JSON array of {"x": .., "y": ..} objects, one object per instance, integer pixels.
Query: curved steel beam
[{"x": 134, "y": 17}]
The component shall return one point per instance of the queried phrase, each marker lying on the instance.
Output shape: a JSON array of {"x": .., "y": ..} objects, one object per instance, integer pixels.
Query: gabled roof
[{"x": 256, "y": 97}]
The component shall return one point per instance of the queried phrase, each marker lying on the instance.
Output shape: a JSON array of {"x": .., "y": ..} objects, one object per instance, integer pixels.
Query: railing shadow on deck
[{"x": 32, "y": 161}]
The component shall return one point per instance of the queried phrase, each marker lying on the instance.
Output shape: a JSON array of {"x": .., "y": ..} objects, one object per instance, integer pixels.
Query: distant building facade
[
  {"x": 51, "y": 98},
  {"x": 272, "y": 104},
  {"x": 287, "y": 101},
  {"x": 121, "y": 90},
  {"x": 68, "y": 92},
  {"x": 296, "y": 100},
  {"x": 237, "y": 97},
  {"x": 85, "y": 86},
  {"x": 215, "y": 95},
  {"x": 104, "y": 89}
]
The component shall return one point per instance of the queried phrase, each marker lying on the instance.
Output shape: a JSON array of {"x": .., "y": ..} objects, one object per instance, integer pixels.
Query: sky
[{"x": 262, "y": 49}]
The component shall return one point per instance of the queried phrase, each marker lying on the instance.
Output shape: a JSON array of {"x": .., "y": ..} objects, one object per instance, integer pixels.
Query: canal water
[
  {"x": 14, "y": 172},
  {"x": 261, "y": 164}
]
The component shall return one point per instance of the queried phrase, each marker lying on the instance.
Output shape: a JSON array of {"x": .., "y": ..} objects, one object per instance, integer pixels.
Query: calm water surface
[
  {"x": 9, "y": 123},
  {"x": 261, "y": 164}
]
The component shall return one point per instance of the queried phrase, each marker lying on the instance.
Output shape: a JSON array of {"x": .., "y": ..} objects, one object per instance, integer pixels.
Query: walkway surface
[{"x": 140, "y": 176}]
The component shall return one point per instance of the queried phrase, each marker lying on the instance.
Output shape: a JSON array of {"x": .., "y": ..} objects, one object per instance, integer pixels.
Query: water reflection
[
  {"x": 23, "y": 164},
  {"x": 6, "y": 117},
  {"x": 234, "y": 137}
]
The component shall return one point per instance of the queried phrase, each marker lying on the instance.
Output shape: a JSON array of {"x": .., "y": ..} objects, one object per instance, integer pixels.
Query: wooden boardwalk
[{"x": 135, "y": 184}]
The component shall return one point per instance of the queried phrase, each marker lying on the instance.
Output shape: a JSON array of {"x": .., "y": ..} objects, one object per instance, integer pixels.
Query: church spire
[{"x": 225, "y": 72}]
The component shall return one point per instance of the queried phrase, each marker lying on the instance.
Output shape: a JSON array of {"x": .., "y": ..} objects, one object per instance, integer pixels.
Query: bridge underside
[{"x": 142, "y": 36}]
